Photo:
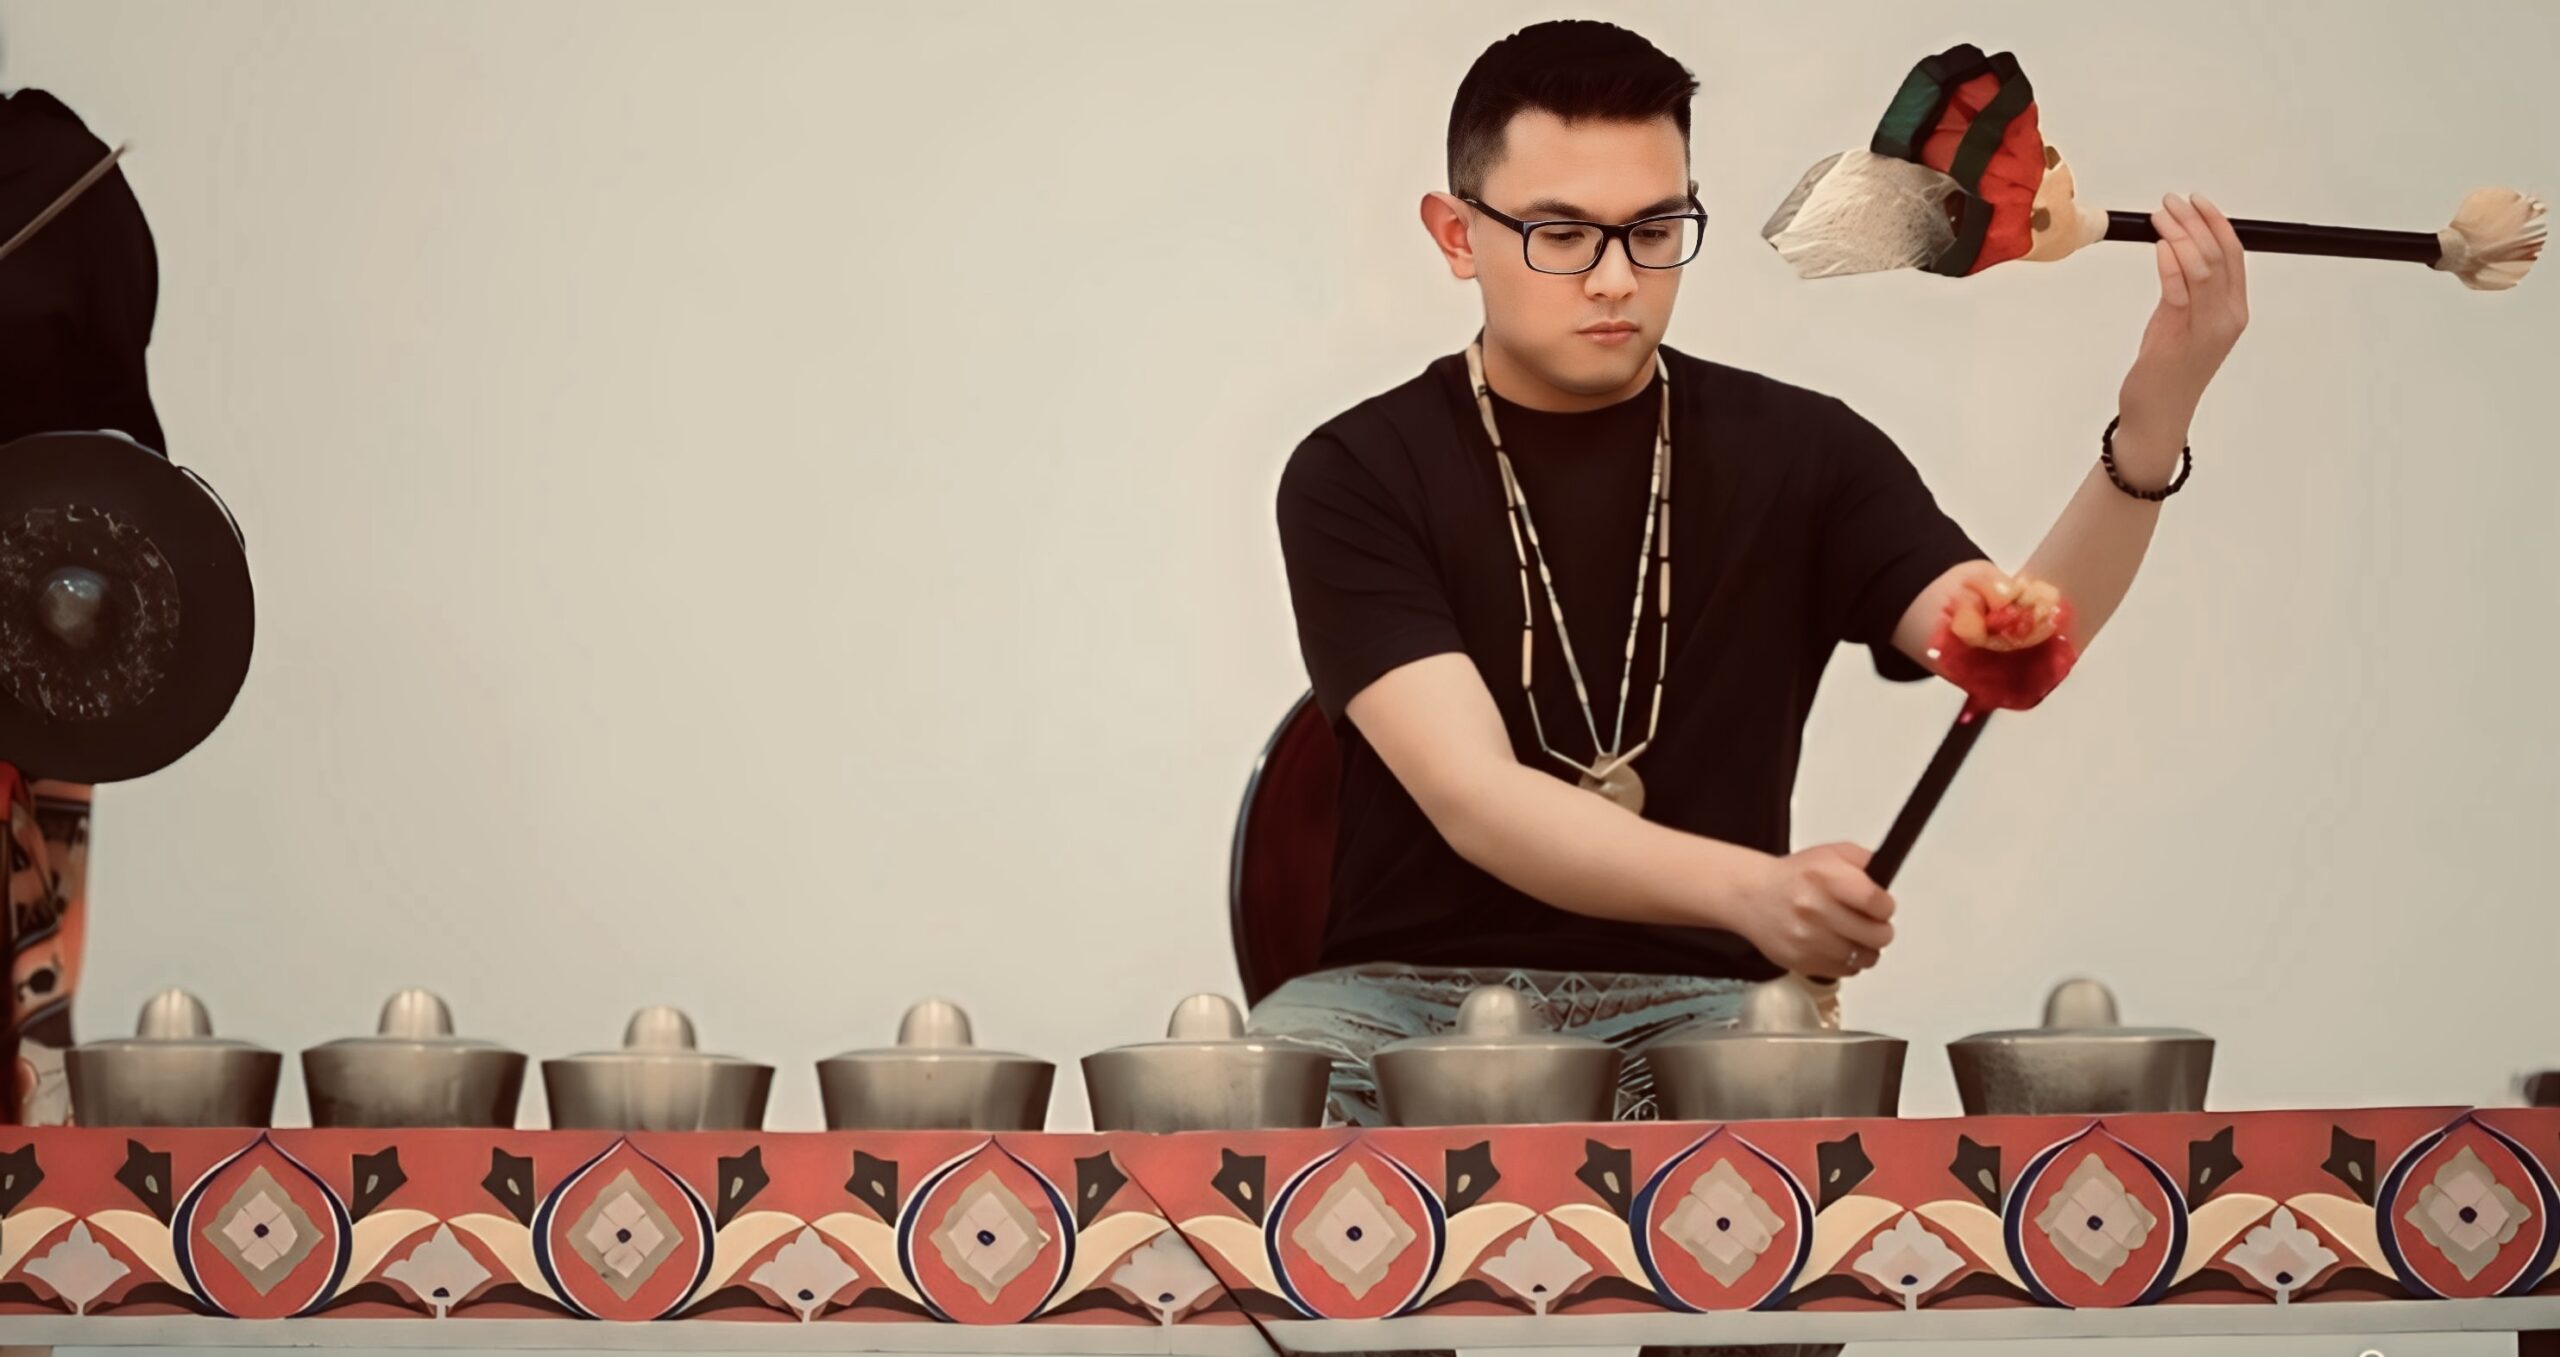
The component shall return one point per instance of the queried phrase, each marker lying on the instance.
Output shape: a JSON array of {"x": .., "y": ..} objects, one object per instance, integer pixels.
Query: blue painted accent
[
  {"x": 1640, "y": 1226},
  {"x": 2543, "y": 1188},
  {"x": 907, "y": 1216},
  {"x": 541, "y": 1230},
  {"x": 2386, "y": 1196},
  {"x": 1279, "y": 1212}
]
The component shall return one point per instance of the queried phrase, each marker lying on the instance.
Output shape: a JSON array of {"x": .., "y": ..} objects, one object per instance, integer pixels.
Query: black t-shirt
[
  {"x": 76, "y": 301},
  {"x": 1796, "y": 526}
]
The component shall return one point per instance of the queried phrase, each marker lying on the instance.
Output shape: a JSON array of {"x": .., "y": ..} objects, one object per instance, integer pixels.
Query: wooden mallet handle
[
  {"x": 1924, "y": 799},
  {"x": 1925, "y": 796},
  {"x": 2293, "y": 237}
]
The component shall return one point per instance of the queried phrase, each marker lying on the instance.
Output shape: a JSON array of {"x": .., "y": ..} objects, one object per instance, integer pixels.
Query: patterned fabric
[
  {"x": 46, "y": 923},
  {"x": 1353, "y": 1011}
]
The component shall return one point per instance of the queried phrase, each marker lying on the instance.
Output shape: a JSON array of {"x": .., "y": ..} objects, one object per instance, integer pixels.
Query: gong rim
[{"x": 193, "y": 531}]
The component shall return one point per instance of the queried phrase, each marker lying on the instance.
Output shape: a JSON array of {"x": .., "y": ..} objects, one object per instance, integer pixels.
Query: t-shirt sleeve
[
  {"x": 1362, "y": 582},
  {"x": 1884, "y": 539}
]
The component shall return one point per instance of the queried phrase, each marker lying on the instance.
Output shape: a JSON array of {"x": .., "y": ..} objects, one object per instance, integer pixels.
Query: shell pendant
[{"x": 1616, "y": 781}]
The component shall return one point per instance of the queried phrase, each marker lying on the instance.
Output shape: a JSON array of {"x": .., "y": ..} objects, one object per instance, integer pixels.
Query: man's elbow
[{"x": 1463, "y": 810}]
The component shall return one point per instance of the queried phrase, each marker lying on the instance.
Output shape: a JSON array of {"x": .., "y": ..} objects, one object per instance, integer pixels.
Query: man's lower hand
[{"x": 1816, "y": 912}]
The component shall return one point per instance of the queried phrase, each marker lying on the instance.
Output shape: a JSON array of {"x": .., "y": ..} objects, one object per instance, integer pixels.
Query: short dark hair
[{"x": 1576, "y": 69}]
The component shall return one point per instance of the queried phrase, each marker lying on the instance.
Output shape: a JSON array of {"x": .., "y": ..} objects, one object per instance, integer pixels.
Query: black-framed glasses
[{"x": 1558, "y": 246}]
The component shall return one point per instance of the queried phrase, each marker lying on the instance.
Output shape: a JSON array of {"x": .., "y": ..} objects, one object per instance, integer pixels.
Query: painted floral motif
[
  {"x": 2467, "y": 1213},
  {"x": 1353, "y": 1234},
  {"x": 1166, "y": 1277},
  {"x": 1618, "y": 1222},
  {"x": 2094, "y": 1223},
  {"x": 2281, "y": 1255},
  {"x": 624, "y": 1236},
  {"x": 440, "y": 1272},
  {"x": 1723, "y": 1223},
  {"x": 1539, "y": 1267},
  {"x": 1908, "y": 1260},
  {"x": 806, "y": 1274},
  {"x": 79, "y": 1269},
  {"x": 989, "y": 1237},
  {"x": 262, "y": 1232}
]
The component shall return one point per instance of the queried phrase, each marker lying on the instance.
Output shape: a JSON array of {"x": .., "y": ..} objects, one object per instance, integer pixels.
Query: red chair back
[{"x": 1280, "y": 868}]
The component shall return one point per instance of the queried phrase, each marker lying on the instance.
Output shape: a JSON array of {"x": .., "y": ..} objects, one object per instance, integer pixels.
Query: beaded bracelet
[{"x": 2107, "y": 458}]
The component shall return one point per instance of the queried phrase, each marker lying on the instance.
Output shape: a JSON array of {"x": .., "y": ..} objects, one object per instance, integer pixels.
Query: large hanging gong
[{"x": 126, "y": 616}]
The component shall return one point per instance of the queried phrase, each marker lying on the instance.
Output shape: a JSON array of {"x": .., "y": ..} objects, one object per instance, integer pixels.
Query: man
[
  {"x": 77, "y": 299},
  {"x": 1428, "y": 527}
]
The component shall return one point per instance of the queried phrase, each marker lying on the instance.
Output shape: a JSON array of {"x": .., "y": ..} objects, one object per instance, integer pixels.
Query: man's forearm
[
  {"x": 1577, "y": 852},
  {"x": 2097, "y": 545},
  {"x": 2094, "y": 549},
  {"x": 1435, "y": 725}
]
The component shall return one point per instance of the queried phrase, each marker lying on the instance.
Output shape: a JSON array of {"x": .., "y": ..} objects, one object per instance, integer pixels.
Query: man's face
[{"x": 1558, "y": 326}]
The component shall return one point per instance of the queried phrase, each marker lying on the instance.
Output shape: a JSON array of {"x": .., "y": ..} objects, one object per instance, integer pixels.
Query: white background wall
[{"x": 766, "y": 507}]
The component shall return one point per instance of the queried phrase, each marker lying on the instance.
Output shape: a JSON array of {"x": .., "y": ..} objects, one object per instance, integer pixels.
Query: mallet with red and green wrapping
[{"x": 1958, "y": 177}]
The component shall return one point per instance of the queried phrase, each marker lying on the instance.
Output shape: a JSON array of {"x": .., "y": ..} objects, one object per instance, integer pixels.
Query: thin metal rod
[{"x": 54, "y": 208}]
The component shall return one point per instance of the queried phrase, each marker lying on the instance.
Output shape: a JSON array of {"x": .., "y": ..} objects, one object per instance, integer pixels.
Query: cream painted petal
[
  {"x": 375, "y": 1236},
  {"x": 512, "y": 1245},
  {"x": 1165, "y": 1276},
  {"x": 79, "y": 1268},
  {"x": 1539, "y": 1267},
  {"x": 1237, "y": 1244},
  {"x": 1470, "y": 1233},
  {"x": 27, "y": 1229},
  {"x": 1602, "y": 1230},
  {"x": 742, "y": 1239},
  {"x": 1976, "y": 1227},
  {"x": 2348, "y": 1221},
  {"x": 2281, "y": 1254},
  {"x": 2217, "y": 1223},
  {"x": 1838, "y": 1230},
  {"x": 146, "y": 1239},
  {"x": 1108, "y": 1241},
  {"x": 2506, "y": 1210},
  {"x": 439, "y": 1264},
  {"x": 1908, "y": 1260},
  {"x": 873, "y": 1244},
  {"x": 806, "y": 1273}
]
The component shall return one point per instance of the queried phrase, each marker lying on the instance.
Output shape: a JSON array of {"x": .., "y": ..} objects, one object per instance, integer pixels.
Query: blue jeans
[{"x": 1353, "y": 1011}]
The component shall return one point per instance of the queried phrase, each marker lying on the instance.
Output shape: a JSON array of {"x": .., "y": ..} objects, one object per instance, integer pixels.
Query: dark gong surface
[{"x": 177, "y": 628}]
